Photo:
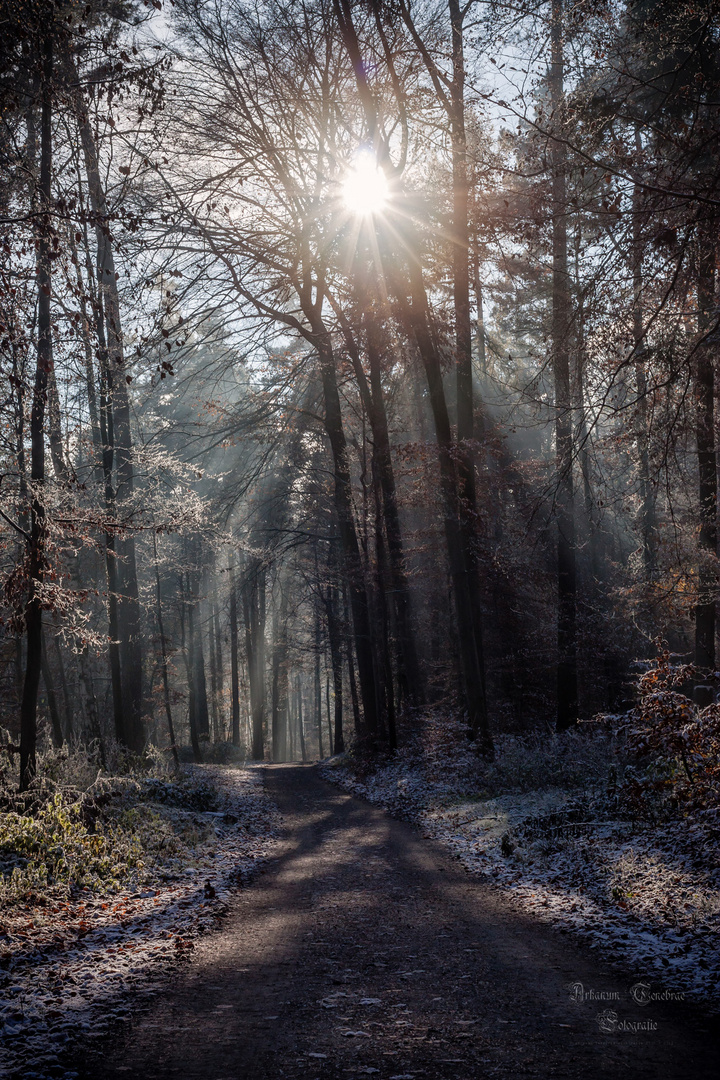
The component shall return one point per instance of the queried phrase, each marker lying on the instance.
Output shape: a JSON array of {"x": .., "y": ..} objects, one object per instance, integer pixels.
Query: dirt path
[{"x": 365, "y": 951}]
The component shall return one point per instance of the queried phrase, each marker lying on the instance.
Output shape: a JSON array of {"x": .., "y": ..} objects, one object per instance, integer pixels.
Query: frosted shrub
[
  {"x": 571, "y": 760},
  {"x": 54, "y": 850},
  {"x": 675, "y": 746},
  {"x": 79, "y": 829}
]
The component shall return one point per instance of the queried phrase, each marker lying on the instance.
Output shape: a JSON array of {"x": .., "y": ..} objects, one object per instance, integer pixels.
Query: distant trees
[{"x": 283, "y": 467}]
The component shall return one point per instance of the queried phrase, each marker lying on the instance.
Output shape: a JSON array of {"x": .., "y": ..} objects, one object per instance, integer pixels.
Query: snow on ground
[
  {"x": 539, "y": 824},
  {"x": 70, "y": 968}
]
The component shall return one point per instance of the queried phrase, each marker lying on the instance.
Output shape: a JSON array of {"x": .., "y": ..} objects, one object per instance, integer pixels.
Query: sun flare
[{"x": 365, "y": 189}]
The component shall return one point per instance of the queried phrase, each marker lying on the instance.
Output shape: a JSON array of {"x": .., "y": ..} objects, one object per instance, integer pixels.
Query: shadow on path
[{"x": 364, "y": 950}]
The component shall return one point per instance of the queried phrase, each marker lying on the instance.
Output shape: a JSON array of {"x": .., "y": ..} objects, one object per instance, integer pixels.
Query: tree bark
[
  {"x": 57, "y": 731},
  {"x": 466, "y": 492},
  {"x": 128, "y": 608},
  {"x": 36, "y": 542},
  {"x": 89, "y": 366},
  {"x": 417, "y": 320},
  {"x": 67, "y": 703},
  {"x": 410, "y": 673},
  {"x": 373, "y": 399},
  {"x": 92, "y": 705},
  {"x": 164, "y": 658},
  {"x": 647, "y": 498},
  {"x": 351, "y": 662},
  {"x": 318, "y": 692},
  {"x": 705, "y": 612},
  {"x": 279, "y": 683},
  {"x": 57, "y": 451},
  {"x": 218, "y": 662},
  {"x": 188, "y": 608},
  {"x": 253, "y": 593},
  {"x": 103, "y": 441},
  {"x": 348, "y": 535},
  {"x": 567, "y": 690},
  {"x": 234, "y": 674},
  {"x": 385, "y": 681},
  {"x": 301, "y": 728},
  {"x": 335, "y": 640},
  {"x": 201, "y": 697}
]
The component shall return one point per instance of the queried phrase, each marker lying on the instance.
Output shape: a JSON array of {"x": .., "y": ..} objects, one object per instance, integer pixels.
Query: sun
[{"x": 365, "y": 189}]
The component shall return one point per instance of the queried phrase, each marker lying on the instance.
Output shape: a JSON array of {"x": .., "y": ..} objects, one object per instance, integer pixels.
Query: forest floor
[
  {"x": 540, "y": 823},
  {"x": 364, "y": 949},
  {"x": 73, "y": 961}
]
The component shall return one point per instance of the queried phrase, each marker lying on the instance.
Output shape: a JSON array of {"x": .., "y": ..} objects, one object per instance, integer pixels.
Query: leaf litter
[{"x": 71, "y": 966}]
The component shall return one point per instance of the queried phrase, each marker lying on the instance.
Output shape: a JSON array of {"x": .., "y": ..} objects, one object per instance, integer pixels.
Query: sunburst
[{"x": 365, "y": 189}]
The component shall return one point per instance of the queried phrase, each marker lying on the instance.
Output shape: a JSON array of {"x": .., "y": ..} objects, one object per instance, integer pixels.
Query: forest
[
  {"x": 355, "y": 360},
  {"x": 358, "y": 365}
]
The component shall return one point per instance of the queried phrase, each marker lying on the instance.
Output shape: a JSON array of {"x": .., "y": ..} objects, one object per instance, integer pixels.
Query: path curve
[{"x": 365, "y": 950}]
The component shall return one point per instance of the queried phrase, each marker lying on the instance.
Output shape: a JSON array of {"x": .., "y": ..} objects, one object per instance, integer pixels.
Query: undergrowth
[
  {"x": 673, "y": 746},
  {"x": 80, "y": 829},
  {"x": 657, "y": 763},
  {"x": 438, "y": 756}
]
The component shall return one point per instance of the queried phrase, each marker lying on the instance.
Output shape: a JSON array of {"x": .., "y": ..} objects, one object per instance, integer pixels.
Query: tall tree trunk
[
  {"x": 275, "y": 688},
  {"x": 417, "y": 319},
  {"x": 88, "y": 354},
  {"x": 218, "y": 661},
  {"x": 647, "y": 497},
  {"x": 567, "y": 691},
  {"x": 279, "y": 682},
  {"x": 92, "y": 705},
  {"x": 705, "y": 612},
  {"x": 457, "y": 493},
  {"x": 348, "y": 535},
  {"x": 57, "y": 450},
  {"x": 384, "y": 656},
  {"x": 201, "y": 697},
  {"x": 254, "y": 612},
  {"x": 202, "y": 716},
  {"x": 111, "y": 554},
  {"x": 214, "y": 709},
  {"x": 335, "y": 640},
  {"x": 351, "y": 662},
  {"x": 373, "y": 399},
  {"x": 318, "y": 691},
  {"x": 234, "y": 675},
  {"x": 57, "y": 731},
  {"x": 579, "y": 410},
  {"x": 36, "y": 543},
  {"x": 187, "y": 601},
  {"x": 103, "y": 441},
  {"x": 301, "y": 728},
  {"x": 290, "y": 756},
  {"x": 129, "y": 616},
  {"x": 283, "y": 695},
  {"x": 327, "y": 710},
  {"x": 410, "y": 673},
  {"x": 67, "y": 703},
  {"x": 164, "y": 657}
]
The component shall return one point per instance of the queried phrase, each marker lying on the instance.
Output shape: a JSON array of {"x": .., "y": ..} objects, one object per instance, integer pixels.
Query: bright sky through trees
[{"x": 365, "y": 188}]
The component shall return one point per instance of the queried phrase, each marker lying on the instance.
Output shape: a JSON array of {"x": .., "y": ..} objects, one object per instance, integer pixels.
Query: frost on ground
[
  {"x": 71, "y": 957},
  {"x": 545, "y": 821}
]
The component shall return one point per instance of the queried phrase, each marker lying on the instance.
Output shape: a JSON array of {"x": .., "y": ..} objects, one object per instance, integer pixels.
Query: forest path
[{"x": 364, "y": 950}]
